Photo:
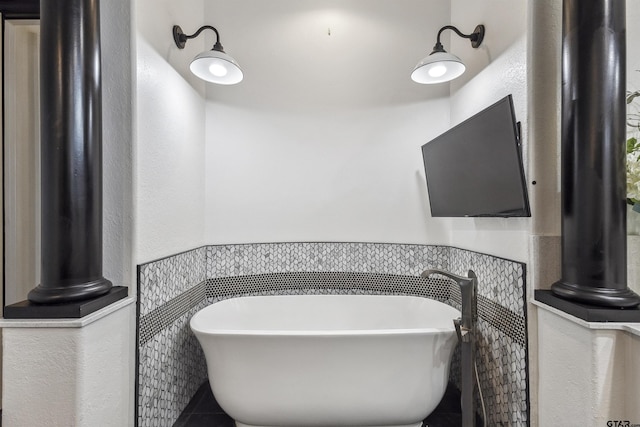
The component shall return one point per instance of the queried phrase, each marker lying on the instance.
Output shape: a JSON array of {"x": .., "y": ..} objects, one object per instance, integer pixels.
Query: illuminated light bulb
[
  {"x": 218, "y": 70},
  {"x": 437, "y": 70}
]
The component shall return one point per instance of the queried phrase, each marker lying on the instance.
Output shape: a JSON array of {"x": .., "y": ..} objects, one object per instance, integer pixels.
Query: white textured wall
[
  {"x": 21, "y": 158},
  {"x": 321, "y": 141},
  {"x": 69, "y": 376},
  {"x": 108, "y": 346},
  {"x": 631, "y": 345},
  {"x": 633, "y": 263},
  {"x": 495, "y": 69},
  {"x": 117, "y": 142},
  {"x": 633, "y": 45},
  {"x": 170, "y": 123},
  {"x": 544, "y": 67},
  {"x": 586, "y": 376}
]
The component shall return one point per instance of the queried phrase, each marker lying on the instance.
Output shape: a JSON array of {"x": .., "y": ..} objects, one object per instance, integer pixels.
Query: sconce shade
[
  {"x": 438, "y": 67},
  {"x": 441, "y": 66},
  {"x": 213, "y": 65},
  {"x": 216, "y": 67}
]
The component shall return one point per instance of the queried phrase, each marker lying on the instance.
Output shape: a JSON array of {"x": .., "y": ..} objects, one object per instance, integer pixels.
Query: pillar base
[
  {"x": 602, "y": 297},
  {"x": 588, "y": 312},
  {"x": 65, "y": 294},
  {"x": 73, "y": 310}
]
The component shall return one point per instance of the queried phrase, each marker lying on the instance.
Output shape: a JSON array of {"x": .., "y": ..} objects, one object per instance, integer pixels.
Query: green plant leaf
[{"x": 632, "y": 95}]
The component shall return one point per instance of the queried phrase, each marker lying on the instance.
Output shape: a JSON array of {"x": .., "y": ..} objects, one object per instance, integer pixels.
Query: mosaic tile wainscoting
[{"x": 171, "y": 365}]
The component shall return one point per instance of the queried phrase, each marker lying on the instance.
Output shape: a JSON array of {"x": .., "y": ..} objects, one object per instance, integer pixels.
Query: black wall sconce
[
  {"x": 214, "y": 65},
  {"x": 441, "y": 66}
]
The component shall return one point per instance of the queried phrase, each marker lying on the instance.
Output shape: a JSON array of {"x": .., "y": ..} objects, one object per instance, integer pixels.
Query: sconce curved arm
[
  {"x": 476, "y": 37},
  {"x": 180, "y": 38}
]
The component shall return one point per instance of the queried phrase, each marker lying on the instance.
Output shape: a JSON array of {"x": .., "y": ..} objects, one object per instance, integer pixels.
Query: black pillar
[
  {"x": 594, "y": 245},
  {"x": 71, "y": 165}
]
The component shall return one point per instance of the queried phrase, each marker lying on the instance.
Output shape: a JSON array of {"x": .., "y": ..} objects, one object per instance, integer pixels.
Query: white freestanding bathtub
[{"x": 327, "y": 360}]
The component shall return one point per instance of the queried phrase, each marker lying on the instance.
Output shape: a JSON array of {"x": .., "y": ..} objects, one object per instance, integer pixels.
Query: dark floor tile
[
  {"x": 443, "y": 420},
  {"x": 200, "y": 398},
  {"x": 207, "y": 403},
  {"x": 447, "y": 413},
  {"x": 450, "y": 402},
  {"x": 209, "y": 420},
  {"x": 197, "y": 398},
  {"x": 182, "y": 420},
  {"x": 203, "y": 410},
  {"x": 184, "y": 416}
]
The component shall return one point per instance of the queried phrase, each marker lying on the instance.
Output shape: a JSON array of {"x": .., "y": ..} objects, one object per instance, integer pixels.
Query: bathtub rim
[{"x": 324, "y": 332}]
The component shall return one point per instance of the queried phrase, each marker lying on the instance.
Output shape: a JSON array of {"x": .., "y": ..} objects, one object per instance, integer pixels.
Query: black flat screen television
[{"x": 475, "y": 168}]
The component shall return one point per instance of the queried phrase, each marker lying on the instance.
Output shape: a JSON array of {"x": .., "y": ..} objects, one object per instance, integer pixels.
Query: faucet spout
[
  {"x": 452, "y": 276},
  {"x": 468, "y": 292}
]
